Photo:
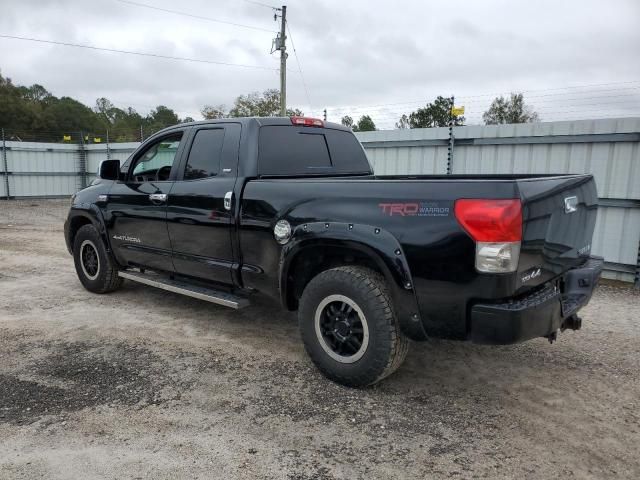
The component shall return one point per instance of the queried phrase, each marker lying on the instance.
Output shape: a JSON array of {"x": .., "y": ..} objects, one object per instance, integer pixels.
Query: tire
[
  {"x": 97, "y": 272},
  {"x": 328, "y": 328}
]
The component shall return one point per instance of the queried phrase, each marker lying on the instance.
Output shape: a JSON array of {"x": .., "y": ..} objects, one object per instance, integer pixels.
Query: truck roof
[{"x": 259, "y": 121}]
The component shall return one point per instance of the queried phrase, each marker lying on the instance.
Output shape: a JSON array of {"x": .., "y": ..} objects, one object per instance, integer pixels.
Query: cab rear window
[{"x": 291, "y": 150}]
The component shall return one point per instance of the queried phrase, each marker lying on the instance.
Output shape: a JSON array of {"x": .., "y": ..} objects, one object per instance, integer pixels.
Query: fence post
[
  {"x": 636, "y": 282},
  {"x": 82, "y": 161},
  {"x": 451, "y": 138},
  {"x": 5, "y": 165},
  {"x": 108, "y": 148}
]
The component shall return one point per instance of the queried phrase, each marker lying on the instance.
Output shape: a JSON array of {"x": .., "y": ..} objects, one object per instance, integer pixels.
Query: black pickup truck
[{"x": 290, "y": 208}]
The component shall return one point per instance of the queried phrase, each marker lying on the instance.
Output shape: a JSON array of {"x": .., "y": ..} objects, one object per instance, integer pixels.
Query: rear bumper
[{"x": 538, "y": 314}]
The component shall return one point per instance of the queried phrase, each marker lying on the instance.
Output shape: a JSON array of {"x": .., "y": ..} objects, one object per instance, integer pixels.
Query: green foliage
[
  {"x": 435, "y": 114},
  {"x": 511, "y": 110},
  {"x": 365, "y": 124},
  {"x": 347, "y": 121},
  {"x": 33, "y": 113},
  {"x": 210, "y": 112},
  {"x": 255, "y": 104},
  {"x": 403, "y": 122}
]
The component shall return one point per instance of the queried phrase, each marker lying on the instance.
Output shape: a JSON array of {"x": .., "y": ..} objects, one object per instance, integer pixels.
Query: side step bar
[{"x": 183, "y": 288}]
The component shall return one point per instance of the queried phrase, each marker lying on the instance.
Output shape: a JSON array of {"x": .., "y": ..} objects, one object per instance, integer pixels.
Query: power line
[
  {"x": 555, "y": 89},
  {"x": 295, "y": 53},
  {"x": 260, "y": 4},
  {"x": 462, "y": 97},
  {"x": 142, "y": 54},
  {"x": 539, "y": 105},
  {"x": 199, "y": 17}
]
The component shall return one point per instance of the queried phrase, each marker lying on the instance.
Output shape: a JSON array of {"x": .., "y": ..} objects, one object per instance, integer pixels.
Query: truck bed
[{"x": 440, "y": 253}]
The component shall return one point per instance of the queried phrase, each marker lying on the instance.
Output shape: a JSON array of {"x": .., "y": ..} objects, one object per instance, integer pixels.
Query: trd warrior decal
[{"x": 414, "y": 209}]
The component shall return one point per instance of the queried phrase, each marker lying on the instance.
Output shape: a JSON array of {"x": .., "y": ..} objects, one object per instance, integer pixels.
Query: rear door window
[
  {"x": 290, "y": 150},
  {"x": 204, "y": 156}
]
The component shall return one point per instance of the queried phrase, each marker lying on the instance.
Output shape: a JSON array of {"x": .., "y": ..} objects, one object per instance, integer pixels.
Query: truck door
[
  {"x": 136, "y": 209},
  {"x": 200, "y": 224}
]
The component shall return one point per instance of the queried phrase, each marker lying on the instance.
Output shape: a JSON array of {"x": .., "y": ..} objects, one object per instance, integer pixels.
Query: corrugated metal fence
[{"x": 610, "y": 149}]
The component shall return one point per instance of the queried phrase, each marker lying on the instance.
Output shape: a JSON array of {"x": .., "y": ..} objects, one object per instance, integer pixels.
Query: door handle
[
  {"x": 227, "y": 200},
  {"x": 158, "y": 197}
]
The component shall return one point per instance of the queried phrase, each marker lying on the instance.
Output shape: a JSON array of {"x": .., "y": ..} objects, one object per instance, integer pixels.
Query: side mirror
[{"x": 109, "y": 170}]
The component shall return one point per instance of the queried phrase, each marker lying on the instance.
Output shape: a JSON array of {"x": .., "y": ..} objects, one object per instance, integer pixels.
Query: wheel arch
[
  {"x": 86, "y": 215},
  {"x": 319, "y": 246}
]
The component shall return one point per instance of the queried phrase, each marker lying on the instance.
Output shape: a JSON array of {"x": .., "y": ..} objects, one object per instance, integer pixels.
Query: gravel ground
[{"x": 145, "y": 384}]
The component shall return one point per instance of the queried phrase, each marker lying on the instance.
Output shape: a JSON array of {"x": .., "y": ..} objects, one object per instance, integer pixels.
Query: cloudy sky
[{"x": 572, "y": 59}]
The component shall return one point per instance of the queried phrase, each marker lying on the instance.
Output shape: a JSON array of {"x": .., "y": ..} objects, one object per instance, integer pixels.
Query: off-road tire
[
  {"x": 105, "y": 279},
  {"x": 387, "y": 346}
]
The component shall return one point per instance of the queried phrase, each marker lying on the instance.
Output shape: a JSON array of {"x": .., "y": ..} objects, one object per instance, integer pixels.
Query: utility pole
[{"x": 281, "y": 45}]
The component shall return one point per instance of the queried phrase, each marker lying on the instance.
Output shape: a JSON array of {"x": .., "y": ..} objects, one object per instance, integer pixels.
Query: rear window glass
[
  {"x": 289, "y": 150},
  {"x": 204, "y": 157}
]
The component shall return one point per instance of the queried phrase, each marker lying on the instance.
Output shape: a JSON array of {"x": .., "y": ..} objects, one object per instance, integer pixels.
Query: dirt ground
[{"x": 146, "y": 384}]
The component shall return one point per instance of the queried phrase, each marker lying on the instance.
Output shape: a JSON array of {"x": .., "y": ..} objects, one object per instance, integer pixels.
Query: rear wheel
[
  {"x": 349, "y": 328},
  {"x": 96, "y": 270}
]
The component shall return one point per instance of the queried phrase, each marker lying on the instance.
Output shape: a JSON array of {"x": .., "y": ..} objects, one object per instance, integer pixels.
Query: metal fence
[{"x": 610, "y": 149}]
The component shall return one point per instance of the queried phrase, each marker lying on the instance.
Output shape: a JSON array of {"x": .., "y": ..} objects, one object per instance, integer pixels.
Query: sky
[{"x": 571, "y": 59}]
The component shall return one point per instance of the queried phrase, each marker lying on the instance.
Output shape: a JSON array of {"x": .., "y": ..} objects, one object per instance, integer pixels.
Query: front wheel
[
  {"x": 349, "y": 328},
  {"x": 96, "y": 270}
]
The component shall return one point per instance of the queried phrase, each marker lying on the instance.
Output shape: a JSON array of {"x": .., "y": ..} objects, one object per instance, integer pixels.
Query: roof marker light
[{"x": 307, "y": 121}]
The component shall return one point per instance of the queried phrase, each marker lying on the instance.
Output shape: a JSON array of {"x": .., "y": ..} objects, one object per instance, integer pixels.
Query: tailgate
[{"x": 559, "y": 216}]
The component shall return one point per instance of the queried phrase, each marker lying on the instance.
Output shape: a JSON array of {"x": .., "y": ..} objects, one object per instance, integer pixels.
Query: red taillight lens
[
  {"x": 490, "y": 220},
  {"x": 307, "y": 121}
]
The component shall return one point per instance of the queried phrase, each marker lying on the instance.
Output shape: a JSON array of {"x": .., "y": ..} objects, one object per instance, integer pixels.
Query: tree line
[
  {"x": 512, "y": 109},
  {"x": 35, "y": 113}
]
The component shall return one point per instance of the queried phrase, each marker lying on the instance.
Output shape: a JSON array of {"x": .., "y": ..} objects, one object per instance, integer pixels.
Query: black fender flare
[
  {"x": 92, "y": 213},
  {"x": 377, "y": 244}
]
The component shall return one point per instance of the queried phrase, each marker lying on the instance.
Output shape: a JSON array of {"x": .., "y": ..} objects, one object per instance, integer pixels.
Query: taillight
[
  {"x": 307, "y": 121},
  {"x": 496, "y": 227}
]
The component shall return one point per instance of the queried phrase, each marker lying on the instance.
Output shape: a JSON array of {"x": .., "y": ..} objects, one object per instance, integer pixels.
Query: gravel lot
[{"x": 145, "y": 384}]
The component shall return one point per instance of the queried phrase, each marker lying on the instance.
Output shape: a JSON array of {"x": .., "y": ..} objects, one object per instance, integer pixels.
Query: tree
[
  {"x": 106, "y": 111},
  {"x": 255, "y": 104},
  {"x": 36, "y": 93},
  {"x": 67, "y": 115},
  {"x": 347, "y": 121},
  {"x": 365, "y": 124},
  {"x": 210, "y": 112},
  {"x": 435, "y": 114},
  {"x": 161, "y": 117},
  {"x": 511, "y": 110},
  {"x": 403, "y": 122}
]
